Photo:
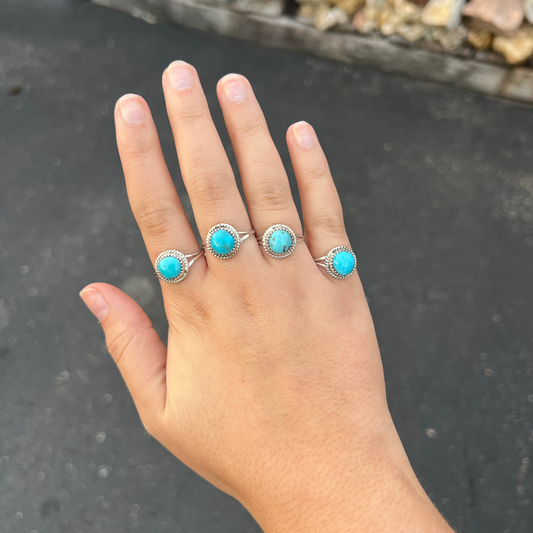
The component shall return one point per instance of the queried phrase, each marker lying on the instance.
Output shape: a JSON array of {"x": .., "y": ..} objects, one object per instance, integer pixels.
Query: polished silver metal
[
  {"x": 326, "y": 261},
  {"x": 263, "y": 241},
  {"x": 239, "y": 236},
  {"x": 186, "y": 262}
]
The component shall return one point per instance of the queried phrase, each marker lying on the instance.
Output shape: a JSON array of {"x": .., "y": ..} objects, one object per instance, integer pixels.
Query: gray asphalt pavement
[{"x": 437, "y": 187}]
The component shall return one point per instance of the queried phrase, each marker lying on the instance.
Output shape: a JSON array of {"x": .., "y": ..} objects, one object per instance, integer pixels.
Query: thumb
[{"x": 134, "y": 345}]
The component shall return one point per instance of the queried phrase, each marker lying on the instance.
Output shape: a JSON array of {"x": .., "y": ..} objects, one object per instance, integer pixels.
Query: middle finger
[{"x": 205, "y": 168}]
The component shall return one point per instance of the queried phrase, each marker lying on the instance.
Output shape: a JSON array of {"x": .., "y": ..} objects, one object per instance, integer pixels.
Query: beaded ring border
[
  {"x": 296, "y": 239},
  {"x": 327, "y": 262},
  {"x": 186, "y": 262},
  {"x": 238, "y": 236}
]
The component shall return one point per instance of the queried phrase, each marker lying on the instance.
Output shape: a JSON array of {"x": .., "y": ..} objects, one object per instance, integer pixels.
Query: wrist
[{"x": 364, "y": 490}]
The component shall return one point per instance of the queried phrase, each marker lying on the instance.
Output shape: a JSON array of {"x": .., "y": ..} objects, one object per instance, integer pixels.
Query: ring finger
[{"x": 263, "y": 175}]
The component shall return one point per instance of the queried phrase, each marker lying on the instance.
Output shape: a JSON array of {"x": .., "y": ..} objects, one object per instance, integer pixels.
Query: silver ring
[
  {"x": 282, "y": 244},
  {"x": 172, "y": 266},
  {"x": 339, "y": 266},
  {"x": 227, "y": 240}
]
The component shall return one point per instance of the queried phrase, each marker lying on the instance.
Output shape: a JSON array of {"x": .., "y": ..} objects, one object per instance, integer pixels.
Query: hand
[{"x": 271, "y": 386}]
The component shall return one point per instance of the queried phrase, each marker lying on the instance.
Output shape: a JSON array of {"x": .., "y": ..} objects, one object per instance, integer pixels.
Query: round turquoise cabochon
[
  {"x": 169, "y": 267},
  {"x": 280, "y": 241},
  {"x": 222, "y": 242},
  {"x": 343, "y": 263}
]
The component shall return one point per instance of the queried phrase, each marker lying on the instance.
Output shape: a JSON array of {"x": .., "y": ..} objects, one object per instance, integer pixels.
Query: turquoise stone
[
  {"x": 343, "y": 263},
  {"x": 280, "y": 241},
  {"x": 222, "y": 242},
  {"x": 169, "y": 267}
]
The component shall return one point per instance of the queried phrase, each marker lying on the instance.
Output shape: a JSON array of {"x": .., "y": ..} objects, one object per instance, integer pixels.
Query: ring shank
[
  {"x": 319, "y": 263},
  {"x": 191, "y": 258},
  {"x": 243, "y": 235}
]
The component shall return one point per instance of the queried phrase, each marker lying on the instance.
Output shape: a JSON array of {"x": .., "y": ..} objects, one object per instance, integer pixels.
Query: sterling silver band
[
  {"x": 186, "y": 262},
  {"x": 191, "y": 258},
  {"x": 243, "y": 235}
]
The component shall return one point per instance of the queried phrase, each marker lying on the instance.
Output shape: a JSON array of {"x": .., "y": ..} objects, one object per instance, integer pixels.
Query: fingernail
[
  {"x": 131, "y": 109},
  {"x": 95, "y": 302},
  {"x": 303, "y": 135},
  {"x": 234, "y": 90},
  {"x": 180, "y": 76}
]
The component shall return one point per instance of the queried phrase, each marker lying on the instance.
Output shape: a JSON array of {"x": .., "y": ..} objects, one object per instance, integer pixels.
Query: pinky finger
[{"x": 321, "y": 206}]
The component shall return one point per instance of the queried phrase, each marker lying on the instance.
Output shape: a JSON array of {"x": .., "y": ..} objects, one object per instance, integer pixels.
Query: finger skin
[
  {"x": 134, "y": 345},
  {"x": 321, "y": 206},
  {"x": 265, "y": 183},
  {"x": 205, "y": 168},
  {"x": 151, "y": 191}
]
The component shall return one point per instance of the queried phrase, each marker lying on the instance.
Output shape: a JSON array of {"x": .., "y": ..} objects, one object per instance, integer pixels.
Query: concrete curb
[{"x": 515, "y": 83}]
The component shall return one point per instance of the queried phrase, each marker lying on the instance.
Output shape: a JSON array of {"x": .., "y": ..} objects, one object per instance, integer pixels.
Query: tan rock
[
  {"x": 377, "y": 5},
  {"x": 480, "y": 25},
  {"x": 390, "y": 17},
  {"x": 309, "y": 8},
  {"x": 363, "y": 24},
  {"x": 450, "y": 39},
  {"x": 506, "y": 15},
  {"x": 308, "y": 11},
  {"x": 446, "y": 13},
  {"x": 516, "y": 48},
  {"x": 329, "y": 18},
  {"x": 350, "y": 7},
  {"x": 367, "y": 20},
  {"x": 412, "y": 32},
  {"x": 480, "y": 39},
  {"x": 389, "y": 21},
  {"x": 407, "y": 11}
]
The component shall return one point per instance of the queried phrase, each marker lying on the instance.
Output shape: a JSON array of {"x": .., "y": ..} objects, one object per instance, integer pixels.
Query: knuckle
[
  {"x": 119, "y": 342},
  {"x": 270, "y": 192},
  {"x": 154, "y": 217},
  {"x": 196, "y": 314},
  {"x": 319, "y": 171},
  {"x": 139, "y": 148},
  {"x": 251, "y": 306},
  {"x": 329, "y": 222},
  {"x": 249, "y": 127},
  {"x": 210, "y": 187},
  {"x": 189, "y": 113}
]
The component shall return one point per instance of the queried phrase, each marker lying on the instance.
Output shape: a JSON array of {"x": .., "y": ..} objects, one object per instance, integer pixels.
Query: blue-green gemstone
[
  {"x": 222, "y": 242},
  {"x": 169, "y": 267},
  {"x": 343, "y": 263},
  {"x": 280, "y": 241}
]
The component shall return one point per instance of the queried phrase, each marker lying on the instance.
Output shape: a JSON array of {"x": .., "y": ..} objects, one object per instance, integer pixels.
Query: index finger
[{"x": 153, "y": 197}]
